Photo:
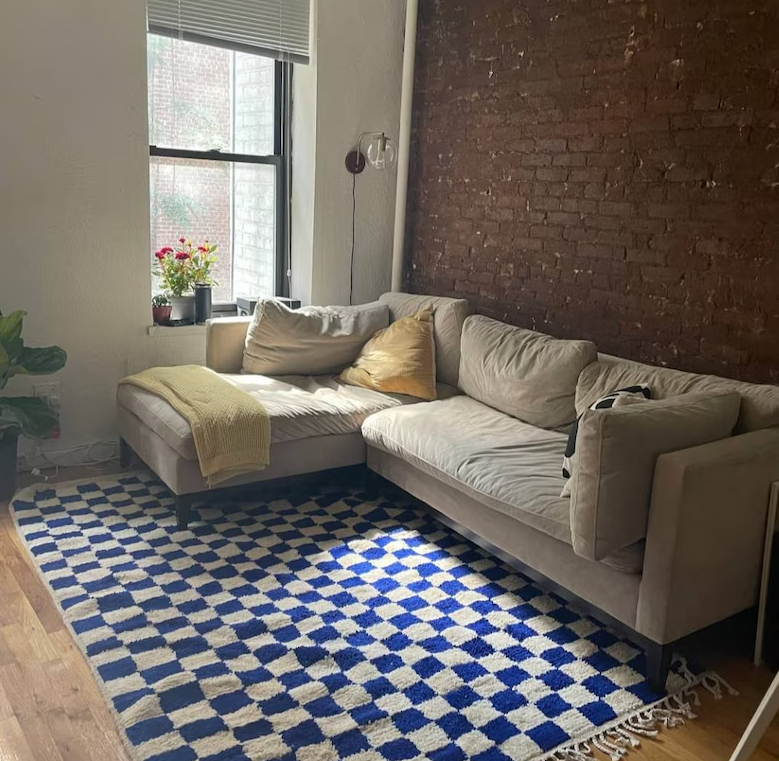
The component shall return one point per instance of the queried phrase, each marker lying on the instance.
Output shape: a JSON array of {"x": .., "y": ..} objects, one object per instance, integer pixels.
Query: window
[{"x": 217, "y": 129}]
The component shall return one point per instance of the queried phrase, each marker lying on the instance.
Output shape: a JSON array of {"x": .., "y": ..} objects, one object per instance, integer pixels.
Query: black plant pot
[
  {"x": 7, "y": 466},
  {"x": 202, "y": 303}
]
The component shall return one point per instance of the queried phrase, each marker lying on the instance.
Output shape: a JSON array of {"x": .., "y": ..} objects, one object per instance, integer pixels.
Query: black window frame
[{"x": 280, "y": 158}]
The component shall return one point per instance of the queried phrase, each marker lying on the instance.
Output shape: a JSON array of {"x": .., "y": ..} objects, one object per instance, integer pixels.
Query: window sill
[{"x": 183, "y": 331}]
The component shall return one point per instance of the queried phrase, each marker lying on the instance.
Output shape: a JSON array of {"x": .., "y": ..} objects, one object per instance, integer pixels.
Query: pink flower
[
  {"x": 182, "y": 256},
  {"x": 166, "y": 250},
  {"x": 160, "y": 255}
]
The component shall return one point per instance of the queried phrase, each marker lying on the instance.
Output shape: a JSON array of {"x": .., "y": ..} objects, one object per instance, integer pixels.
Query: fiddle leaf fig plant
[{"x": 27, "y": 415}]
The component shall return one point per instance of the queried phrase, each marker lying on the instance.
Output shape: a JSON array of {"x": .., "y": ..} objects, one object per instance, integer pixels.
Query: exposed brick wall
[{"x": 607, "y": 170}]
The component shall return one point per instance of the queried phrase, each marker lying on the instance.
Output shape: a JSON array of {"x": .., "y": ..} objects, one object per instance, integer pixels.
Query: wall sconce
[{"x": 381, "y": 153}]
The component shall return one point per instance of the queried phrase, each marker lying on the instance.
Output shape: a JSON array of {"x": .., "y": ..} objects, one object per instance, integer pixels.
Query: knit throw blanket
[{"x": 230, "y": 428}]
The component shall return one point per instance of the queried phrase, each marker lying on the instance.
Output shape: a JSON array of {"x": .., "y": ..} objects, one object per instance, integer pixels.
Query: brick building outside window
[{"x": 203, "y": 100}]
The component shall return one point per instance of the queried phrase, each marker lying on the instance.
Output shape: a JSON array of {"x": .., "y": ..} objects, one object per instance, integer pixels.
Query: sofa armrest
[
  {"x": 704, "y": 544},
  {"x": 225, "y": 339}
]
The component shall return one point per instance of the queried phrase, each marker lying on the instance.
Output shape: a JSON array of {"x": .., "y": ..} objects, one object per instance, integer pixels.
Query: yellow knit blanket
[{"x": 231, "y": 429}]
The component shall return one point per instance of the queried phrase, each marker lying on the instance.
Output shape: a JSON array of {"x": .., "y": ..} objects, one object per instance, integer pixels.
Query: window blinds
[{"x": 275, "y": 28}]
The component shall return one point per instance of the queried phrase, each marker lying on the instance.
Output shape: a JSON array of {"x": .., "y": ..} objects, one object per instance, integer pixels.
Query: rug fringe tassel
[{"x": 617, "y": 740}]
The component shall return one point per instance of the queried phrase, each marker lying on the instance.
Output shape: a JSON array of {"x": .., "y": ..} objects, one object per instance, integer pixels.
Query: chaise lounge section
[{"x": 315, "y": 420}]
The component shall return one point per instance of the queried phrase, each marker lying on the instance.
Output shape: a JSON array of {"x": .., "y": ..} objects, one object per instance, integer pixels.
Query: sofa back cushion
[
  {"x": 759, "y": 403},
  {"x": 526, "y": 374},
  {"x": 309, "y": 341},
  {"x": 617, "y": 450},
  {"x": 448, "y": 318}
]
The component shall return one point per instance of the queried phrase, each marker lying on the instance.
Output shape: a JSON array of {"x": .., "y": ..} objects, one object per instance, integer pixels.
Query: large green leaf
[
  {"x": 43, "y": 361},
  {"x": 13, "y": 349},
  {"x": 31, "y": 415},
  {"x": 5, "y": 367},
  {"x": 11, "y": 327}
]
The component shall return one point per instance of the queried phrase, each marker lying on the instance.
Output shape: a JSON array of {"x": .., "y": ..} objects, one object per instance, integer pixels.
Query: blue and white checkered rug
[{"x": 328, "y": 626}]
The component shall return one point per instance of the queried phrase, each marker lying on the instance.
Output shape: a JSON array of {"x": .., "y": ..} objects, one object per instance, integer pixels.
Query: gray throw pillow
[
  {"x": 309, "y": 341},
  {"x": 617, "y": 450}
]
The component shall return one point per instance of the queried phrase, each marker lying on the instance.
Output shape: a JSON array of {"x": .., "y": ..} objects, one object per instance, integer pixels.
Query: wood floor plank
[
  {"x": 19, "y": 690},
  {"x": 6, "y": 709},
  {"x": 69, "y": 740},
  {"x": 26, "y": 577},
  {"x": 13, "y": 743},
  {"x": 29, "y": 642},
  {"x": 40, "y": 739},
  {"x": 51, "y": 708},
  {"x": 14, "y": 606}
]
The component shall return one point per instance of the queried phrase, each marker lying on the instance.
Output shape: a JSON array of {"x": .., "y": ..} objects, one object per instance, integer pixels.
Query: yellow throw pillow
[{"x": 399, "y": 359}]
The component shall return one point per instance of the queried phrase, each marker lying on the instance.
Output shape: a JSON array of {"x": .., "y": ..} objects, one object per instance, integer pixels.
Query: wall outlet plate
[{"x": 51, "y": 392}]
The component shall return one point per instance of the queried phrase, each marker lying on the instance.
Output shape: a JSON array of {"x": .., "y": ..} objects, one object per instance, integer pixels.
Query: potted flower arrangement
[
  {"x": 23, "y": 415},
  {"x": 179, "y": 269},
  {"x": 160, "y": 308}
]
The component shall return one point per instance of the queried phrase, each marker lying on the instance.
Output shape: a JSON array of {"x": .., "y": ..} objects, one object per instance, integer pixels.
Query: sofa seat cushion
[
  {"x": 498, "y": 460},
  {"x": 299, "y": 407}
]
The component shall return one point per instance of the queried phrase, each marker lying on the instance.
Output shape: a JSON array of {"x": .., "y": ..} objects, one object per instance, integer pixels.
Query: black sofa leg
[
  {"x": 658, "y": 664},
  {"x": 125, "y": 454},
  {"x": 183, "y": 506}
]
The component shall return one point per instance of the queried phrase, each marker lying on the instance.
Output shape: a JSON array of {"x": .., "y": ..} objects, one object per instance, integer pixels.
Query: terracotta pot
[
  {"x": 183, "y": 308},
  {"x": 160, "y": 314}
]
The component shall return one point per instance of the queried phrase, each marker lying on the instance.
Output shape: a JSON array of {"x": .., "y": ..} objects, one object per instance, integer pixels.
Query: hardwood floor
[
  {"x": 50, "y": 706},
  {"x": 51, "y": 709}
]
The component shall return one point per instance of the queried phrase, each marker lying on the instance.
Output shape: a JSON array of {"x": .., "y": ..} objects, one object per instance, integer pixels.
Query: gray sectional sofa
[{"x": 660, "y": 557}]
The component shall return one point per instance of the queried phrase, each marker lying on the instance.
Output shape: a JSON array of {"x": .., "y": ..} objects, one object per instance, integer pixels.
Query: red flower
[
  {"x": 166, "y": 250},
  {"x": 182, "y": 241},
  {"x": 182, "y": 256},
  {"x": 160, "y": 255},
  {"x": 202, "y": 249}
]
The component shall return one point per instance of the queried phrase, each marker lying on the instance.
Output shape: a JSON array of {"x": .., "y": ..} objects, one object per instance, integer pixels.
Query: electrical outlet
[{"x": 51, "y": 392}]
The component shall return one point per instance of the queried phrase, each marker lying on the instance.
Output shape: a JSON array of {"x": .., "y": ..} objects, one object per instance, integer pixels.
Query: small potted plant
[
  {"x": 160, "y": 308},
  {"x": 23, "y": 415},
  {"x": 179, "y": 270}
]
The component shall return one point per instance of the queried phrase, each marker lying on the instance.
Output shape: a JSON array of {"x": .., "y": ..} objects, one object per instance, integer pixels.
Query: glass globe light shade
[{"x": 382, "y": 152}]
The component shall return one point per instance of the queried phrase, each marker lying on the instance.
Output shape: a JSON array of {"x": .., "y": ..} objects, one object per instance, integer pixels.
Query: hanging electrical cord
[
  {"x": 66, "y": 460},
  {"x": 354, "y": 237},
  {"x": 381, "y": 155}
]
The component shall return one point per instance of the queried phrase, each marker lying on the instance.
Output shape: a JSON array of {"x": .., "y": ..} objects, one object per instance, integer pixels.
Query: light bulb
[{"x": 381, "y": 152}]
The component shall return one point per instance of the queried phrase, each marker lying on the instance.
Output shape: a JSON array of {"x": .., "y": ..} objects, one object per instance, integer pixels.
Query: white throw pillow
[{"x": 309, "y": 341}]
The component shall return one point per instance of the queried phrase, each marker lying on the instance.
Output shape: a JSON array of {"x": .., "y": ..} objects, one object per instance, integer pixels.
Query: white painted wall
[
  {"x": 74, "y": 250},
  {"x": 74, "y": 193},
  {"x": 303, "y": 186},
  {"x": 357, "y": 81}
]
